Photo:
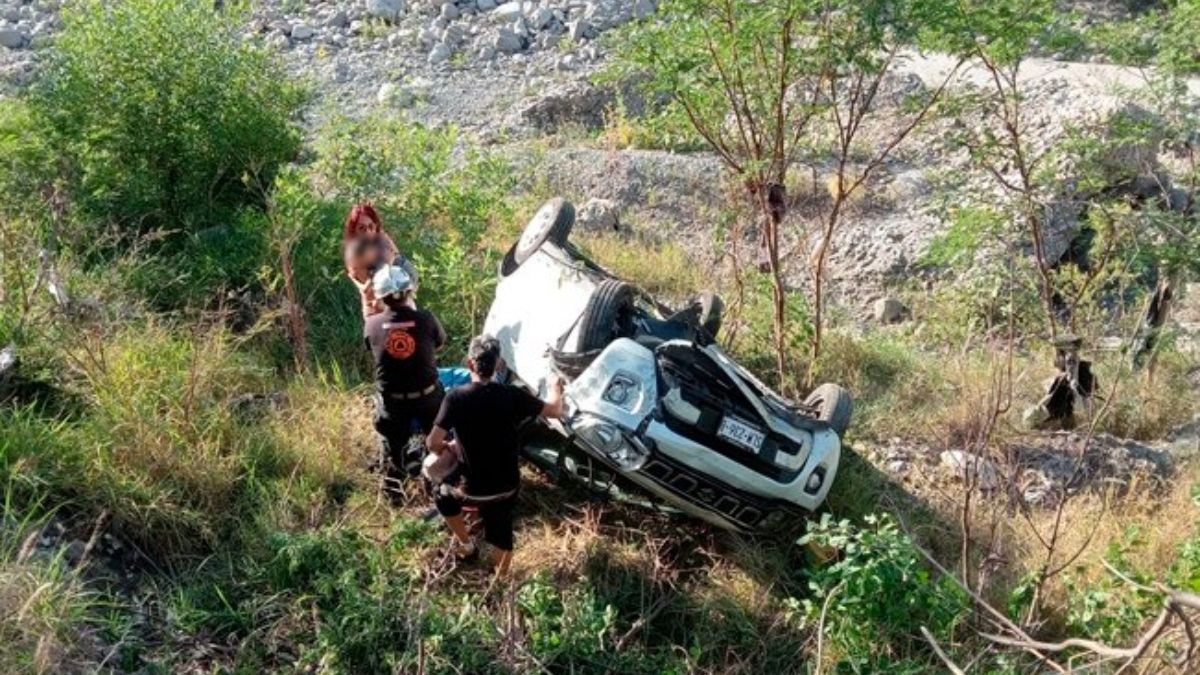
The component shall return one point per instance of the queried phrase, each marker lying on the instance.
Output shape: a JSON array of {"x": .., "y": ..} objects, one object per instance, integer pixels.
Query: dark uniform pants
[{"x": 402, "y": 426}]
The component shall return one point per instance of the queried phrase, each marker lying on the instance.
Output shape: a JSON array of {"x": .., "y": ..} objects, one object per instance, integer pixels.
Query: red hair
[{"x": 354, "y": 219}]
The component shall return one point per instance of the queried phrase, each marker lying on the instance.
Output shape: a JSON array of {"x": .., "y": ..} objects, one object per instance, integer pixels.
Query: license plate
[{"x": 739, "y": 433}]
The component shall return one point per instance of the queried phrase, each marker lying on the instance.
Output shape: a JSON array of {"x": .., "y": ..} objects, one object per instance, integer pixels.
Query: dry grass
[{"x": 663, "y": 268}]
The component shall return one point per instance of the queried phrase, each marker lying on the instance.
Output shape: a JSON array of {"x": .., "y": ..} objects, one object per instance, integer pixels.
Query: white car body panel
[{"x": 548, "y": 294}]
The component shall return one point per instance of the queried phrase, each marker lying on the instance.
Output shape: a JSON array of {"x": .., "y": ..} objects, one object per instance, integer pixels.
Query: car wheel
[
  {"x": 607, "y": 316},
  {"x": 551, "y": 223},
  {"x": 834, "y": 406}
]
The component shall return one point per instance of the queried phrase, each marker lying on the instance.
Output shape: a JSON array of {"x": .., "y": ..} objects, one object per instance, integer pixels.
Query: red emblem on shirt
[{"x": 400, "y": 344}]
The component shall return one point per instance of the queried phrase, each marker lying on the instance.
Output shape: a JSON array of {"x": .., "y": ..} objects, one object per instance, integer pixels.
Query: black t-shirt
[
  {"x": 404, "y": 343},
  {"x": 484, "y": 418}
]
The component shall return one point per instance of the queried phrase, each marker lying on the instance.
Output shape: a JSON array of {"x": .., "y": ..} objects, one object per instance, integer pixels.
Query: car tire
[
  {"x": 607, "y": 316},
  {"x": 552, "y": 223},
  {"x": 834, "y": 406}
]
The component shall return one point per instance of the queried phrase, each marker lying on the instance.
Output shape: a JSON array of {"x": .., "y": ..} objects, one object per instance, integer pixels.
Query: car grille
[{"x": 746, "y": 510}]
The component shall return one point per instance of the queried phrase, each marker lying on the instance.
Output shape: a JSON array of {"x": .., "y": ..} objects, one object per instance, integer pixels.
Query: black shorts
[{"x": 496, "y": 514}]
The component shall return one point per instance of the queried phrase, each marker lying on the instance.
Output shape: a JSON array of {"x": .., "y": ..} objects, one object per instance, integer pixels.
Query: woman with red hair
[{"x": 365, "y": 248}]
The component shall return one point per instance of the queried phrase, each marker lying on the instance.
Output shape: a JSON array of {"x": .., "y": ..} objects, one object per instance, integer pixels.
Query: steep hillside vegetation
[{"x": 186, "y": 445}]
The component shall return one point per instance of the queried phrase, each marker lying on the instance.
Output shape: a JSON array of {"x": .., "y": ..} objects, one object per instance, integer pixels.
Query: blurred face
[
  {"x": 367, "y": 227},
  {"x": 367, "y": 257}
]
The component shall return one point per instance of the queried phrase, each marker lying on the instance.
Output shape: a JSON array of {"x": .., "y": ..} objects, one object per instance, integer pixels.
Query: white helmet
[{"x": 391, "y": 279}]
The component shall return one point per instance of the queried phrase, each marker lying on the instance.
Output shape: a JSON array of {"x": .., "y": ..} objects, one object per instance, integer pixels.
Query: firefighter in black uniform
[{"x": 404, "y": 342}]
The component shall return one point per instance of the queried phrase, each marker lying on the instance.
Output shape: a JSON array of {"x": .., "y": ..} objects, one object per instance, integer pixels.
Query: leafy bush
[
  {"x": 878, "y": 593},
  {"x": 161, "y": 115},
  {"x": 443, "y": 207}
]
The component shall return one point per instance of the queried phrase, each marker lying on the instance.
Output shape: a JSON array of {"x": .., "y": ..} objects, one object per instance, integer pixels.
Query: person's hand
[{"x": 556, "y": 383}]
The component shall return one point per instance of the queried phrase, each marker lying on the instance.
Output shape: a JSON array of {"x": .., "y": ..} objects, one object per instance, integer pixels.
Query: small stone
[
  {"x": 8, "y": 360},
  {"x": 577, "y": 29},
  {"x": 485, "y": 5},
  {"x": 388, "y": 10},
  {"x": 644, "y": 8},
  {"x": 302, "y": 32},
  {"x": 75, "y": 551},
  {"x": 507, "y": 41},
  {"x": 337, "y": 20},
  {"x": 598, "y": 214},
  {"x": 966, "y": 465},
  {"x": 450, "y": 11},
  {"x": 509, "y": 11},
  {"x": 1178, "y": 200},
  {"x": 388, "y": 94},
  {"x": 889, "y": 310},
  {"x": 1035, "y": 416},
  {"x": 439, "y": 54},
  {"x": 541, "y": 17},
  {"x": 12, "y": 38},
  {"x": 453, "y": 35}
]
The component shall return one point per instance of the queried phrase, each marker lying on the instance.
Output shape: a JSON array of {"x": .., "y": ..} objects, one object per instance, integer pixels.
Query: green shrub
[
  {"x": 161, "y": 115},
  {"x": 878, "y": 594},
  {"x": 441, "y": 206}
]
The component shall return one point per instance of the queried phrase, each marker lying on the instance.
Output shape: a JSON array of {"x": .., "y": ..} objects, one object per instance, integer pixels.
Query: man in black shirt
[
  {"x": 484, "y": 416},
  {"x": 403, "y": 342}
]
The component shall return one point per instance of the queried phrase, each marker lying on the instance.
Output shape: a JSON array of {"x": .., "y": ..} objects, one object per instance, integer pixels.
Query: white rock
[
  {"x": 450, "y": 11},
  {"x": 509, "y": 11},
  {"x": 389, "y": 10},
  {"x": 598, "y": 214},
  {"x": 394, "y": 95},
  {"x": 966, "y": 465},
  {"x": 302, "y": 31},
  {"x": 439, "y": 54}
]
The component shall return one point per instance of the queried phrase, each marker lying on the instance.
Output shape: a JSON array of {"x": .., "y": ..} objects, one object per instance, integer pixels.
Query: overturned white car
[{"x": 653, "y": 400}]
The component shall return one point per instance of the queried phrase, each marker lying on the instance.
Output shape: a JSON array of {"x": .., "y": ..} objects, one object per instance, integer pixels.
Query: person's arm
[{"x": 436, "y": 441}]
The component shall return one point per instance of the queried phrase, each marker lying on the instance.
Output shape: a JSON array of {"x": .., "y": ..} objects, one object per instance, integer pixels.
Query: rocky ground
[{"x": 516, "y": 74}]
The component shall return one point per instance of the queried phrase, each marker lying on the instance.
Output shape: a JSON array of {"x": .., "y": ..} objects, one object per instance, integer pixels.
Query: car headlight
[{"x": 608, "y": 439}]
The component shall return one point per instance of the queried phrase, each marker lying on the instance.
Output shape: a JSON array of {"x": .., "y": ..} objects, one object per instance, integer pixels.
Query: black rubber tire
[
  {"x": 607, "y": 316},
  {"x": 552, "y": 222},
  {"x": 834, "y": 406}
]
